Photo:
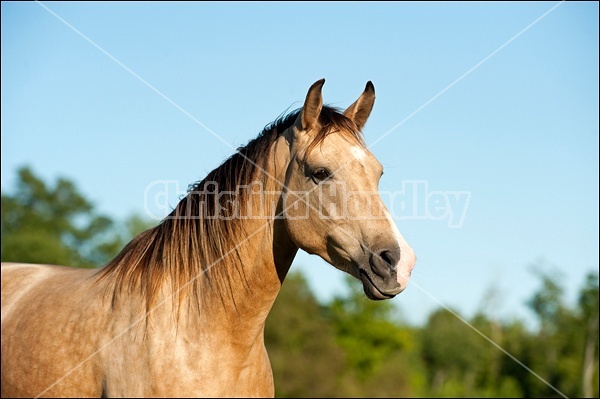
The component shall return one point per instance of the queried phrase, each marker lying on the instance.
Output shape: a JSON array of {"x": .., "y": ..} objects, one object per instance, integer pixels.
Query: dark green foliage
[
  {"x": 367, "y": 332},
  {"x": 51, "y": 224},
  {"x": 55, "y": 224},
  {"x": 383, "y": 357},
  {"x": 301, "y": 344}
]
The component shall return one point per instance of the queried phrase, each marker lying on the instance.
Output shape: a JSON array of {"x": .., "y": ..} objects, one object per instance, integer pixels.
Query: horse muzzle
[{"x": 379, "y": 274}]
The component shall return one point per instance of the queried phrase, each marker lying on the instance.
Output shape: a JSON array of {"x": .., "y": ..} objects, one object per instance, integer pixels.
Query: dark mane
[{"x": 191, "y": 248}]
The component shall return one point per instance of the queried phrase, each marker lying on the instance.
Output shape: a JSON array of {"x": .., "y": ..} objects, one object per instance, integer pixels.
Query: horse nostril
[
  {"x": 387, "y": 257},
  {"x": 383, "y": 264}
]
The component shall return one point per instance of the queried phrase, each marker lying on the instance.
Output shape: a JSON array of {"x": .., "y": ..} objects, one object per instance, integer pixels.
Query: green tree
[
  {"x": 382, "y": 354},
  {"x": 122, "y": 233},
  {"x": 348, "y": 347},
  {"x": 487, "y": 378},
  {"x": 301, "y": 344},
  {"x": 453, "y": 354},
  {"x": 56, "y": 224},
  {"x": 588, "y": 307},
  {"x": 364, "y": 330},
  {"x": 558, "y": 349}
]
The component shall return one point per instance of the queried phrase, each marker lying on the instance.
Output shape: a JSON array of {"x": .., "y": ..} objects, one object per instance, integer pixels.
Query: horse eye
[{"x": 320, "y": 174}]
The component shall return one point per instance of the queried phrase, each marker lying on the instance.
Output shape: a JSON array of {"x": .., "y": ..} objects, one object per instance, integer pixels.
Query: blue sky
[{"x": 484, "y": 98}]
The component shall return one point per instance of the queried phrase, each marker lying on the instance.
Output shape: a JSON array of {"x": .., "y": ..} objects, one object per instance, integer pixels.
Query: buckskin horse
[{"x": 181, "y": 310}]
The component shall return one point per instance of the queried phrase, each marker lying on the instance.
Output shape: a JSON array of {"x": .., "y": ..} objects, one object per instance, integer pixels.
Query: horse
[{"x": 181, "y": 310}]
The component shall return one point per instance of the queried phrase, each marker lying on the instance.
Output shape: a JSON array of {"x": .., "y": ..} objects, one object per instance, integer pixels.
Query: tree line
[{"x": 349, "y": 346}]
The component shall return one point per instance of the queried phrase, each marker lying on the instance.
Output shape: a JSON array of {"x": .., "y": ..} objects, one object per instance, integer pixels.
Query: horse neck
[{"x": 263, "y": 256}]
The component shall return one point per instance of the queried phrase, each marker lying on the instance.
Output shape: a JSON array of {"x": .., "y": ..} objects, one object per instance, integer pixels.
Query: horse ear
[
  {"x": 312, "y": 105},
  {"x": 361, "y": 109}
]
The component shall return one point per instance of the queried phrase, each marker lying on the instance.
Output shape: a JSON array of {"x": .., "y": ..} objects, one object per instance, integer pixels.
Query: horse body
[
  {"x": 114, "y": 351},
  {"x": 181, "y": 310}
]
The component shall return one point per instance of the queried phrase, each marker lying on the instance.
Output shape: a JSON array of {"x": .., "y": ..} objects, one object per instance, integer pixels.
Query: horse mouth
[{"x": 372, "y": 291}]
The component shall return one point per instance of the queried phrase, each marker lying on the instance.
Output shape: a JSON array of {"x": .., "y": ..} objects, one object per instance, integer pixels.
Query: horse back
[{"x": 51, "y": 316}]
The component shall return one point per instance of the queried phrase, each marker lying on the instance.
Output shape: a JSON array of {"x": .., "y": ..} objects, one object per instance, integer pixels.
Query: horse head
[{"x": 332, "y": 207}]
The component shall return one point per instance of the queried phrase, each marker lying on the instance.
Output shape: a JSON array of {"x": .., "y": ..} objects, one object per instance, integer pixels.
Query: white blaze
[
  {"x": 407, "y": 255},
  {"x": 358, "y": 152}
]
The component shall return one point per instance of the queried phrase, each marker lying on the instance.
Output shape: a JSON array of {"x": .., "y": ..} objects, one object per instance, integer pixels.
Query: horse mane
[{"x": 197, "y": 253}]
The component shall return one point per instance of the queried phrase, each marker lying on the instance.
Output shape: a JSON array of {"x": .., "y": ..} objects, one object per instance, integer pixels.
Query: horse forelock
[{"x": 331, "y": 121}]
